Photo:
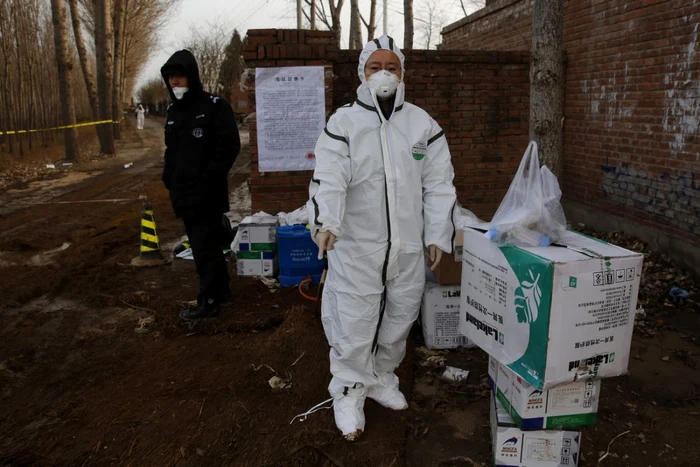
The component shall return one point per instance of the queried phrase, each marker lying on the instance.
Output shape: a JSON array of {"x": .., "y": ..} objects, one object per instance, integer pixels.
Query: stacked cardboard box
[
  {"x": 440, "y": 311},
  {"x": 554, "y": 320},
  {"x": 256, "y": 246}
]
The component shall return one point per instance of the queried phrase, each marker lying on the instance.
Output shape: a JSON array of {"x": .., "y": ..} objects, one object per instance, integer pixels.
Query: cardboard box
[
  {"x": 256, "y": 263},
  {"x": 257, "y": 233},
  {"x": 449, "y": 271},
  {"x": 553, "y": 315},
  {"x": 440, "y": 317},
  {"x": 564, "y": 406},
  {"x": 515, "y": 448}
]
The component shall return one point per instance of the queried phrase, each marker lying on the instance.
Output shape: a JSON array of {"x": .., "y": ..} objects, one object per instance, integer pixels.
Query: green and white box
[
  {"x": 554, "y": 314},
  {"x": 440, "y": 317},
  {"x": 565, "y": 406},
  {"x": 256, "y": 263},
  {"x": 258, "y": 233},
  {"x": 513, "y": 447}
]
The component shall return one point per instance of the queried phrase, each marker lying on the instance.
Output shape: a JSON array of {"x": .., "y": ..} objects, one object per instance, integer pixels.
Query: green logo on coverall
[{"x": 419, "y": 150}]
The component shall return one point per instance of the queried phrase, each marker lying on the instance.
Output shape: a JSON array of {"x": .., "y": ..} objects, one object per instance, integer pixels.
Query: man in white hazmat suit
[{"x": 381, "y": 192}]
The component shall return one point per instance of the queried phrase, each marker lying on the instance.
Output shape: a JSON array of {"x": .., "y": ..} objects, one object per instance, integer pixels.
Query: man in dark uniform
[{"x": 202, "y": 142}]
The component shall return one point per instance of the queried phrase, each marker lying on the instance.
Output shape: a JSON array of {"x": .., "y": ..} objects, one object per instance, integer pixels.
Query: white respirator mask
[
  {"x": 383, "y": 83},
  {"x": 180, "y": 92}
]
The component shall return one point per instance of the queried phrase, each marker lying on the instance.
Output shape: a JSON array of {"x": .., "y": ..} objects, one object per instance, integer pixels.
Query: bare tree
[
  {"x": 408, "y": 24},
  {"x": 233, "y": 65},
  {"x": 104, "y": 51},
  {"x": 209, "y": 45},
  {"x": 65, "y": 67},
  {"x": 119, "y": 29},
  {"x": 431, "y": 17},
  {"x": 472, "y": 4},
  {"x": 88, "y": 76},
  {"x": 371, "y": 25},
  {"x": 546, "y": 82},
  {"x": 330, "y": 18},
  {"x": 355, "y": 41}
]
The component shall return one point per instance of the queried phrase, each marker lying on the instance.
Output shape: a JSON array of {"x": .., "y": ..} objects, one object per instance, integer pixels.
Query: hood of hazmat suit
[{"x": 383, "y": 186}]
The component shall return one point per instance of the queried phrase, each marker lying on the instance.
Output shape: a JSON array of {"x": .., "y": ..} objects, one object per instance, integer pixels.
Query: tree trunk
[
  {"x": 372, "y": 25},
  {"x": 408, "y": 24},
  {"x": 65, "y": 78},
  {"x": 355, "y": 26},
  {"x": 9, "y": 111},
  {"x": 546, "y": 78},
  {"x": 312, "y": 17},
  {"x": 119, "y": 26},
  {"x": 87, "y": 71},
  {"x": 104, "y": 51},
  {"x": 336, "y": 9}
]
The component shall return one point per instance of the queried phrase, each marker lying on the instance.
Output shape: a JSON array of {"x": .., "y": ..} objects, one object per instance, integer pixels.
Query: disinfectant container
[{"x": 298, "y": 256}]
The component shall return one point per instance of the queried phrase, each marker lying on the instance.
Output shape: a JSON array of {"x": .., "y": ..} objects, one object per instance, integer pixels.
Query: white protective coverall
[
  {"x": 140, "y": 117},
  {"x": 384, "y": 189}
]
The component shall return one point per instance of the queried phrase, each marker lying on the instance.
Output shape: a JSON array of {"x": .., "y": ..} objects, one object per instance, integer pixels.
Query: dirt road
[{"x": 95, "y": 369}]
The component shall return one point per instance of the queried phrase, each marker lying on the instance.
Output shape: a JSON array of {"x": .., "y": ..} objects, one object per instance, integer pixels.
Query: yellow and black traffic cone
[
  {"x": 150, "y": 246},
  {"x": 150, "y": 254}
]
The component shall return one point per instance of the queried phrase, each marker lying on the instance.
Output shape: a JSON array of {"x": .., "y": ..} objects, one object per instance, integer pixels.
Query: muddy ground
[{"x": 95, "y": 368}]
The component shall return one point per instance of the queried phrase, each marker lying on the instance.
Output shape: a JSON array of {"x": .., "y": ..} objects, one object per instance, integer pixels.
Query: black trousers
[{"x": 207, "y": 236}]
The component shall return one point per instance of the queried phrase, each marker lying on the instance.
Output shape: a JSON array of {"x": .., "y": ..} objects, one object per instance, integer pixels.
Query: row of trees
[
  {"x": 219, "y": 55},
  {"x": 42, "y": 42},
  {"x": 427, "y": 18}
]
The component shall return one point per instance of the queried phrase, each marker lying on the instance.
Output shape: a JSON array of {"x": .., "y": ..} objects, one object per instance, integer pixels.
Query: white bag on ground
[{"x": 531, "y": 213}]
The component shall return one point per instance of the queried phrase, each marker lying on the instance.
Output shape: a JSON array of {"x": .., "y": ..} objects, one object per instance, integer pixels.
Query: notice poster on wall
[{"x": 291, "y": 114}]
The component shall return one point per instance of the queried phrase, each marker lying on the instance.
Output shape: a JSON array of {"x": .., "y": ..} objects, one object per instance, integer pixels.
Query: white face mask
[
  {"x": 383, "y": 83},
  {"x": 180, "y": 92}
]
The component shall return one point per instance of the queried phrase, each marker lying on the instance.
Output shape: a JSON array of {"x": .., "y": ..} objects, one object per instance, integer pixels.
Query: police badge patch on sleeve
[
  {"x": 197, "y": 133},
  {"x": 419, "y": 150}
]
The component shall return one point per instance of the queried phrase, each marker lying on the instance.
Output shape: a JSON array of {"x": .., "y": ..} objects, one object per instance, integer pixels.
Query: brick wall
[
  {"x": 500, "y": 25},
  {"x": 632, "y": 128},
  {"x": 479, "y": 98}
]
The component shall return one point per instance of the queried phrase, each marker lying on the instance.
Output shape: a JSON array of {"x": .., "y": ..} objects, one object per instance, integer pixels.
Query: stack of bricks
[{"x": 481, "y": 99}]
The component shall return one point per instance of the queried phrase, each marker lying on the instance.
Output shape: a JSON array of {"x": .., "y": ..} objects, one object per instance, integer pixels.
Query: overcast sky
[{"x": 259, "y": 14}]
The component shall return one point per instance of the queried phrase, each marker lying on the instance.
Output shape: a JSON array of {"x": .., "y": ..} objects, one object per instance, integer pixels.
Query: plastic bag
[
  {"x": 531, "y": 213},
  {"x": 298, "y": 216}
]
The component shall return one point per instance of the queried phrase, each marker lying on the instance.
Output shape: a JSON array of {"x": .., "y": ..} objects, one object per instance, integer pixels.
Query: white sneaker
[
  {"x": 348, "y": 407},
  {"x": 386, "y": 392}
]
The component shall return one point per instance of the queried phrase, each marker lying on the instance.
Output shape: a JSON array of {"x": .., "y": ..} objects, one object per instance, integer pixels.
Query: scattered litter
[
  {"x": 200, "y": 452},
  {"x": 678, "y": 294},
  {"x": 607, "y": 453},
  {"x": 143, "y": 322},
  {"x": 436, "y": 362},
  {"x": 303, "y": 416},
  {"x": 426, "y": 352},
  {"x": 67, "y": 164},
  {"x": 277, "y": 383},
  {"x": 50, "y": 166},
  {"x": 130, "y": 164},
  {"x": 270, "y": 282},
  {"x": 666, "y": 359},
  {"x": 455, "y": 375},
  {"x": 185, "y": 254}
]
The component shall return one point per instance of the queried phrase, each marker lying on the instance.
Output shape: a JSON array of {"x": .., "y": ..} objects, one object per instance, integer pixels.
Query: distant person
[
  {"x": 140, "y": 117},
  {"x": 202, "y": 143}
]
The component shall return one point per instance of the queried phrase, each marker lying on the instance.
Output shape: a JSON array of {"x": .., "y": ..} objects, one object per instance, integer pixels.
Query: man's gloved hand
[
  {"x": 325, "y": 242},
  {"x": 435, "y": 256}
]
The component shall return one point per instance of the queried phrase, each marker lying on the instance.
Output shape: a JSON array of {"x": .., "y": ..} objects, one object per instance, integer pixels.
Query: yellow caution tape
[{"x": 63, "y": 127}]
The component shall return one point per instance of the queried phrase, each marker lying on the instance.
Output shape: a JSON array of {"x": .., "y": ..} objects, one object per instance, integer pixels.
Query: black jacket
[{"x": 202, "y": 143}]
